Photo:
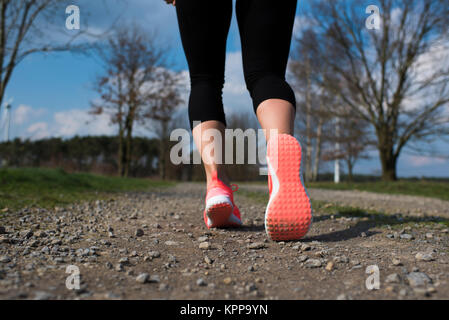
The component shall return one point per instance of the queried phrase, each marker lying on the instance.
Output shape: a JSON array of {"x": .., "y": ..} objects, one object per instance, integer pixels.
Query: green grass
[
  {"x": 432, "y": 189},
  {"x": 48, "y": 188}
]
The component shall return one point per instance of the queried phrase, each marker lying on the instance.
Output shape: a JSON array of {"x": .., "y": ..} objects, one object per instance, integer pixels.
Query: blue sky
[{"x": 52, "y": 92}]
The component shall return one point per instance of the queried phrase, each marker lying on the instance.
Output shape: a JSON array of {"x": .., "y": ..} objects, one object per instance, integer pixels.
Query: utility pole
[{"x": 337, "y": 152}]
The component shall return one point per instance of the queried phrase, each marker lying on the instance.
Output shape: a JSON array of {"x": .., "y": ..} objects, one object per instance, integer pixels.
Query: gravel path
[{"x": 154, "y": 245}]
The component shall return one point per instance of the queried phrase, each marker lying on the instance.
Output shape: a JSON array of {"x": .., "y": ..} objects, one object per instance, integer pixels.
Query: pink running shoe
[
  {"x": 220, "y": 208},
  {"x": 289, "y": 212}
]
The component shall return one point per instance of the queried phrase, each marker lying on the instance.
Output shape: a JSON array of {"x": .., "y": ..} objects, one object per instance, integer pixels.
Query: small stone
[
  {"x": 227, "y": 280},
  {"x": 42, "y": 295},
  {"x": 406, "y": 236},
  {"x": 163, "y": 287},
  {"x": 396, "y": 262},
  {"x": 425, "y": 256},
  {"x": 171, "y": 243},
  {"x": 393, "y": 278},
  {"x": 418, "y": 279},
  {"x": 143, "y": 278},
  {"x": 119, "y": 267},
  {"x": 2, "y": 230},
  {"x": 313, "y": 263},
  {"x": 329, "y": 266},
  {"x": 363, "y": 235},
  {"x": 208, "y": 260},
  {"x": 305, "y": 247},
  {"x": 342, "y": 297},
  {"x": 155, "y": 278},
  {"x": 429, "y": 235},
  {"x": 139, "y": 233},
  {"x": 204, "y": 245},
  {"x": 303, "y": 258},
  {"x": 341, "y": 259},
  {"x": 5, "y": 259},
  {"x": 257, "y": 245},
  {"x": 154, "y": 254},
  {"x": 200, "y": 282},
  {"x": 202, "y": 239}
]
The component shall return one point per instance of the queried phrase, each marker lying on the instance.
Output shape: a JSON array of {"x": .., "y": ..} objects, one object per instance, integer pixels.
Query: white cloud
[
  {"x": 24, "y": 113},
  {"x": 80, "y": 122},
  {"x": 38, "y": 130}
]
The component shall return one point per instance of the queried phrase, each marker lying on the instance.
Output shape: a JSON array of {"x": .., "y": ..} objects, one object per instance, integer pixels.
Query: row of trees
[{"x": 86, "y": 154}]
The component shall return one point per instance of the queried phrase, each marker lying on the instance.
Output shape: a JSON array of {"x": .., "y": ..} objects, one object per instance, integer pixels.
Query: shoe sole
[
  {"x": 218, "y": 213},
  {"x": 289, "y": 212}
]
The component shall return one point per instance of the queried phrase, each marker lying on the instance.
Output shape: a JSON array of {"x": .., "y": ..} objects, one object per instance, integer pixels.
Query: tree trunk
[
  {"x": 120, "y": 153},
  {"x": 129, "y": 129},
  {"x": 350, "y": 167},
  {"x": 387, "y": 156}
]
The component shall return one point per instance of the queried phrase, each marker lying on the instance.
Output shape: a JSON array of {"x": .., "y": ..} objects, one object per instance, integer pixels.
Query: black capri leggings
[{"x": 265, "y": 31}]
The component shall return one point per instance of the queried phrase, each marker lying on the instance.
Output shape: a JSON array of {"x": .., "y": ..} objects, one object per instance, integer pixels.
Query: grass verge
[
  {"x": 433, "y": 189},
  {"x": 48, "y": 188}
]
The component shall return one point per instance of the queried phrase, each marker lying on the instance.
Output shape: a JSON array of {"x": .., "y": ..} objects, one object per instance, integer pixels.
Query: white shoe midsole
[{"x": 221, "y": 199}]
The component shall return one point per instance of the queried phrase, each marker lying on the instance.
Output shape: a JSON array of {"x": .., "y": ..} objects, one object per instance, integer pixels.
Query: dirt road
[{"x": 155, "y": 245}]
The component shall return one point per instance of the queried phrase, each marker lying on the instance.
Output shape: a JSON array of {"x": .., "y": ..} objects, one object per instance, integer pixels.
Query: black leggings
[{"x": 265, "y": 32}]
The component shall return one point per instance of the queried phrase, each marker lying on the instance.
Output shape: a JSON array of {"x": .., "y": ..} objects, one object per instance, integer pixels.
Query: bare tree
[
  {"x": 28, "y": 27},
  {"x": 395, "y": 78},
  {"x": 133, "y": 63}
]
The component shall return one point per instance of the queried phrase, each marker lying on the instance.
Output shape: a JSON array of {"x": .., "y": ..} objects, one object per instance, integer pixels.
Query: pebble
[
  {"x": 208, "y": 260},
  {"x": 143, "y": 278},
  {"x": 154, "y": 254},
  {"x": 2, "y": 230},
  {"x": 329, "y": 266},
  {"x": 418, "y": 279},
  {"x": 396, "y": 262},
  {"x": 305, "y": 247},
  {"x": 303, "y": 258},
  {"x": 139, "y": 233},
  {"x": 424, "y": 256},
  {"x": 204, "y": 245},
  {"x": 5, "y": 259},
  {"x": 42, "y": 295},
  {"x": 406, "y": 236},
  {"x": 171, "y": 243},
  {"x": 257, "y": 245},
  {"x": 200, "y": 282},
  {"x": 227, "y": 280},
  {"x": 202, "y": 239},
  {"x": 393, "y": 278},
  {"x": 313, "y": 263}
]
